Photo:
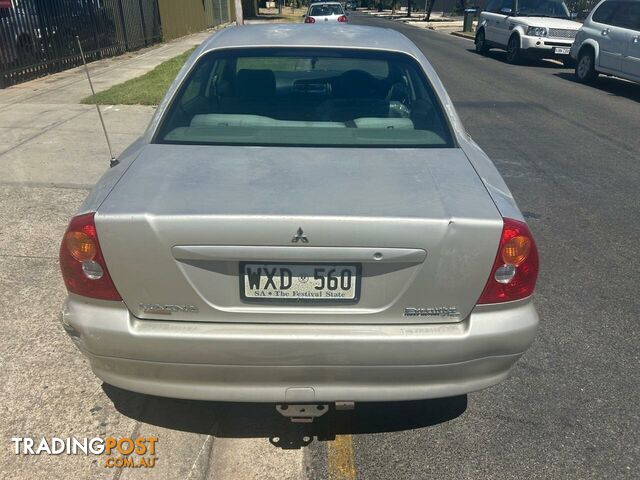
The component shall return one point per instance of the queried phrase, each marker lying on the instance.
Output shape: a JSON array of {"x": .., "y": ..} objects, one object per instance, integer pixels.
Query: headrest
[
  {"x": 255, "y": 84},
  {"x": 356, "y": 84}
]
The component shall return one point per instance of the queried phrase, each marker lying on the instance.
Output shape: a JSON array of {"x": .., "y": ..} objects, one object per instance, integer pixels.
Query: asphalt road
[{"x": 571, "y": 156}]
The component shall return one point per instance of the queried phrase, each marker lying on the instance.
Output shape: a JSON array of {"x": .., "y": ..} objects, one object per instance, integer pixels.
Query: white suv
[
  {"x": 609, "y": 41},
  {"x": 527, "y": 28}
]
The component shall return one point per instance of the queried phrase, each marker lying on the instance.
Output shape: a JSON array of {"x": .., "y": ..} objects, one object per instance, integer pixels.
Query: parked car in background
[
  {"x": 326, "y": 12},
  {"x": 609, "y": 42},
  {"x": 527, "y": 29},
  {"x": 351, "y": 5},
  {"x": 305, "y": 221}
]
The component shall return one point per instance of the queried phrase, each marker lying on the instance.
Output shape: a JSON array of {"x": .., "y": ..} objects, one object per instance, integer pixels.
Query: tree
[{"x": 429, "y": 10}]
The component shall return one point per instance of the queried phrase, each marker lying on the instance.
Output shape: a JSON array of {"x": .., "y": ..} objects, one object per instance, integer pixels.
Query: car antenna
[{"x": 114, "y": 161}]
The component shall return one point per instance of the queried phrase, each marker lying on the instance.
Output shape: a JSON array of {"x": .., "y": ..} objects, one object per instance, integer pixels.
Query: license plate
[
  {"x": 562, "y": 51},
  {"x": 299, "y": 282}
]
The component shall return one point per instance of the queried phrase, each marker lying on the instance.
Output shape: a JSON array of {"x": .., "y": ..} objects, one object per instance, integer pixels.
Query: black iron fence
[{"x": 38, "y": 37}]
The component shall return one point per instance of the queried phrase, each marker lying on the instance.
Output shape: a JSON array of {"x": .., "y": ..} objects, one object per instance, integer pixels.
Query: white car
[
  {"x": 609, "y": 42},
  {"x": 326, "y": 12},
  {"x": 527, "y": 28}
]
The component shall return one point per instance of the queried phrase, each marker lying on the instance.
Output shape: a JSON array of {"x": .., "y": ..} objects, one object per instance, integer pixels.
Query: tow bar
[{"x": 307, "y": 412}]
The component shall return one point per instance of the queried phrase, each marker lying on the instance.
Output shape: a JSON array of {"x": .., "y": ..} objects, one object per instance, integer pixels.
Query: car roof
[
  {"x": 301, "y": 35},
  {"x": 324, "y": 3}
]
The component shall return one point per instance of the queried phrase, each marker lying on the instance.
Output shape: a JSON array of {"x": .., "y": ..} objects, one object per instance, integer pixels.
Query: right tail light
[{"x": 515, "y": 269}]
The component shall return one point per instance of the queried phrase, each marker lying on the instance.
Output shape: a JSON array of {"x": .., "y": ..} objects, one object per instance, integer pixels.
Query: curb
[{"x": 467, "y": 35}]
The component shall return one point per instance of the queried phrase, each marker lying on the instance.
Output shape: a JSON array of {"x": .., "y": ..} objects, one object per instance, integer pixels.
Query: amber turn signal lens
[
  {"x": 516, "y": 250},
  {"x": 81, "y": 246}
]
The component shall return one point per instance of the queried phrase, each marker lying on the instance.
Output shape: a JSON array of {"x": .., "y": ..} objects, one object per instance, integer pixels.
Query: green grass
[{"x": 147, "y": 89}]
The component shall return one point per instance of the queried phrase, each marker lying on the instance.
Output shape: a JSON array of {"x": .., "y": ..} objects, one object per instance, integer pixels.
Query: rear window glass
[
  {"x": 325, "y": 10},
  {"x": 306, "y": 97}
]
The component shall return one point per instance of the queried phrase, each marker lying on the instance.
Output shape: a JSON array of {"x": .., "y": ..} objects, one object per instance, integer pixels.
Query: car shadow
[
  {"x": 261, "y": 420},
  {"x": 501, "y": 56},
  {"x": 611, "y": 85}
]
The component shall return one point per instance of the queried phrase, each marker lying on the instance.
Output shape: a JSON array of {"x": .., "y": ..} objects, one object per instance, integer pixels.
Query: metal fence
[{"x": 38, "y": 37}]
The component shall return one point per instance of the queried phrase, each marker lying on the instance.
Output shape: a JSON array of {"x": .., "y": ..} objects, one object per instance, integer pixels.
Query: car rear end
[
  {"x": 374, "y": 349},
  {"x": 363, "y": 260},
  {"x": 330, "y": 12}
]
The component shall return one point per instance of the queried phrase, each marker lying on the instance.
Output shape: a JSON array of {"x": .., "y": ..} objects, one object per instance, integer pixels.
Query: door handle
[{"x": 605, "y": 32}]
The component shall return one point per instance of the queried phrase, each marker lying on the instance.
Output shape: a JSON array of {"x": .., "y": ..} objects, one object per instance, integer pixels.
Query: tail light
[
  {"x": 515, "y": 269},
  {"x": 309, "y": 20},
  {"x": 83, "y": 267},
  {"x": 342, "y": 19}
]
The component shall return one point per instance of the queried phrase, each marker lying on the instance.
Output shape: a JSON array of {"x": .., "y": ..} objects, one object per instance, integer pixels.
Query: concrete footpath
[
  {"x": 52, "y": 151},
  {"x": 47, "y": 137}
]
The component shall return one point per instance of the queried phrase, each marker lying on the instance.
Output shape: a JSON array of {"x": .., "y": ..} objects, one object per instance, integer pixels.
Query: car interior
[{"x": 306, "y": 92}]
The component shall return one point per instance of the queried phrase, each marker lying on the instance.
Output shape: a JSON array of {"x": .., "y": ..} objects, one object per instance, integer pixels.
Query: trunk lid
[{"x": 419, "y": 224}]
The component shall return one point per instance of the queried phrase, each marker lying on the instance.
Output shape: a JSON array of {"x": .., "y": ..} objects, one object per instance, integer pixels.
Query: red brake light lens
[
  {"x": 83, "y": 267},
  {"x": 343, "y": 19},
  {"x": 309, "y": 20},
  {"x": 515, "y": 269}
]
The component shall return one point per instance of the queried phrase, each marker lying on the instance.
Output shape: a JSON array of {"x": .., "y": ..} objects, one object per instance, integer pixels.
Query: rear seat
[{"x": 242, "y": 120}]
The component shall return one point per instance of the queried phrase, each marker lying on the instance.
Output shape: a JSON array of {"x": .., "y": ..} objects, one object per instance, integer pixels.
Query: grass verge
[{"x": 148, "y": 89}]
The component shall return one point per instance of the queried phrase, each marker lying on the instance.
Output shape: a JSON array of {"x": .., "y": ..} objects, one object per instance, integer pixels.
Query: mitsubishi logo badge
[{"x": 300, "y": 237}]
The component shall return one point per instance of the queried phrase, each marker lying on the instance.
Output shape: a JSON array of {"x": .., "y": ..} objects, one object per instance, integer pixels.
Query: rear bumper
[{"x": 287, "y": 363}]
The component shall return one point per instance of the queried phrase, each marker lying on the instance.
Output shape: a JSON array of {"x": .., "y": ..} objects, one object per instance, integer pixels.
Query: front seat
[
  {"x": 253, "y": 94},
  {"x": 356, "y": 94}
]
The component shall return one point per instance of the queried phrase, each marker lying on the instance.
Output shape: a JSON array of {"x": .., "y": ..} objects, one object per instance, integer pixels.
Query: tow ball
[{"x": 308, "y": 412}]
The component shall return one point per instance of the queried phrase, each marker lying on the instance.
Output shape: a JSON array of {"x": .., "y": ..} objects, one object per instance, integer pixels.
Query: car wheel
[
  {"x": 481, "y": 43},
  {"x": 585, "y": 69},
  {"x": 513, "y": 50}
]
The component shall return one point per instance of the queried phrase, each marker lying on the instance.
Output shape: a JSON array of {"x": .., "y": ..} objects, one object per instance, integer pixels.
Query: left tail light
[
  {"x": 81, "y": 261},
  {"x": 343, "y": 19},
  {"x": 515, "y": 269},
  {"x": 309, "y": 20}
]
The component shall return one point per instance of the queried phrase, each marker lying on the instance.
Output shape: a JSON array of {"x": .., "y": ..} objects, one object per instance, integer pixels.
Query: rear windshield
[
  {"x": 310, "y": 97},
  {"x": 325, "y": 10}
]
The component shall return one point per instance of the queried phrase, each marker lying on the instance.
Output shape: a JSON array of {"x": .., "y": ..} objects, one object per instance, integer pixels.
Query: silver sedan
[{"x": 305, "y": 221}]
